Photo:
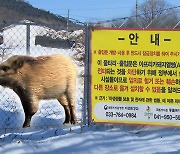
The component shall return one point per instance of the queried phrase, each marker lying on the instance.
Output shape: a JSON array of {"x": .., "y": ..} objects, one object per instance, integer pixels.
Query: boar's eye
[{"x": 5, "y": 68}]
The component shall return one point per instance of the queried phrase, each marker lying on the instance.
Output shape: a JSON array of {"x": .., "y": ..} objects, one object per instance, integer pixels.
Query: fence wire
[
  {"x": 133, "y": 22},
  {"x": 27, "y": 38}
]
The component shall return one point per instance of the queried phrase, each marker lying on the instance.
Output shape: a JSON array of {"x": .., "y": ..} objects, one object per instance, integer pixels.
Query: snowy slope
[{"x": 70, "y": 139}]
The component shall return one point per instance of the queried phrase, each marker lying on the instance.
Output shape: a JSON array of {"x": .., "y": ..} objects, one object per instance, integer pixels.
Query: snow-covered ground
[
  {"x": 92, "y": 140},
  {"x": 70, "y": 139}
]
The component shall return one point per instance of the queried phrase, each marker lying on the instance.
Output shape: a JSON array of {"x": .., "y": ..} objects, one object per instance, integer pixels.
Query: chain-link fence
[
  {"x": 27, "y": 38},
  {"x": 133, "y": 22}
]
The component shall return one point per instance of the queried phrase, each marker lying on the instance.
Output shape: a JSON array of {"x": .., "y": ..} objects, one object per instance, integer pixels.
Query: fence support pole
[
  {"x": 27, "y": 39},
  {"x": 86, "y": 78}
]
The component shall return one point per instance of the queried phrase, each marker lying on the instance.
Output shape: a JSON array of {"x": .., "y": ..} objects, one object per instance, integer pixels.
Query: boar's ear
[{"x": 18, "y": 63}]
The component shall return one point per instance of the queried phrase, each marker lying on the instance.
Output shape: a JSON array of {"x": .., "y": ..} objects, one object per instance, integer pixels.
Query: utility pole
[
  {"x": 136, "y": 10},
  {"x": 152, "y": 10},
  {"x": 28, "y": 35},
  {"x": 67, "y": 24}
]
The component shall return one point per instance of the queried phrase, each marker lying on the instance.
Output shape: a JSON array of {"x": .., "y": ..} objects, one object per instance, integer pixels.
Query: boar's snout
[{"x": 4, "y": 68}]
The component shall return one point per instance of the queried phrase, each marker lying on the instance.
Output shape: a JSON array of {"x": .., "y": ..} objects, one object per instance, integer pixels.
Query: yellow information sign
[{"x": 135, "y": 76}]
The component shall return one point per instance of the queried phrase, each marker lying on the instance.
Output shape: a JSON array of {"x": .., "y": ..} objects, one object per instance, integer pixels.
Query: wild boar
[{"x": 41, "y": 78}]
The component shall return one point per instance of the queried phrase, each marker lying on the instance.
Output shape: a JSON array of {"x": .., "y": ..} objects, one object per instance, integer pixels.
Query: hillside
[{"x": 13, "y": 11}]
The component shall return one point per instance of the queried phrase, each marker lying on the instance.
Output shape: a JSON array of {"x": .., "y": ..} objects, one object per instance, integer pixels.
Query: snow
[
  {"x": 70, "y": 139},
  {"x": 93, "y": 139}
]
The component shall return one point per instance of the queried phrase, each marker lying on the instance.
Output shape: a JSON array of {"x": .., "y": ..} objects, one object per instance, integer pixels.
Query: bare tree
[{"x": 155, "y": 14}]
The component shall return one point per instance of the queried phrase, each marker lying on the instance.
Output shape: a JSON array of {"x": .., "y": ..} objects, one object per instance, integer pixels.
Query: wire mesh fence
[
  {"x": 137, "y": 22},
  {"x": 27, "y": 38}
]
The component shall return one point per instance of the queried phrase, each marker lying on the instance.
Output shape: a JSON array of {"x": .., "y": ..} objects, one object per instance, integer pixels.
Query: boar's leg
[
  {"x": 73, "y": 114},
  {"x": 30, "y": 105},
  {"x": 71, "y": 98},
  {"x": 64, "y": 102},
  {"x": 29, "y": 110},
  {"x": 27, "y": 121}
]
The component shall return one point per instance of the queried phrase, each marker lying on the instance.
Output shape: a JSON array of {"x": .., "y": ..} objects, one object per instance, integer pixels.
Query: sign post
[{"x": 135, "y": 76}]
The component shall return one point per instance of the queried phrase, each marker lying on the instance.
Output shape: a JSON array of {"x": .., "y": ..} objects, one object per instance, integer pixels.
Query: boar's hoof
[
  {"x": 26, "y": 125},
  {"x": 66, "y": 122},
  {"x": 73, "y": 122}
]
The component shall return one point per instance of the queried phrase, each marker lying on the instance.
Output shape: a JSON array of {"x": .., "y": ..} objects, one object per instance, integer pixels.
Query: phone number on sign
[
  {"x": 120, "y": 114},
  {"x": 166, "y": 117}
]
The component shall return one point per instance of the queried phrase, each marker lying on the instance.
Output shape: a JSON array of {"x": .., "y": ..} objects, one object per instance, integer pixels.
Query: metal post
[
  {"x": 136, "y": 10},
  {"x": 27, "y": 39},
  {"x": 67, "y": 24},
  {"x": 86, "y": 77},
  {"x": 152, "y": 10}
]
